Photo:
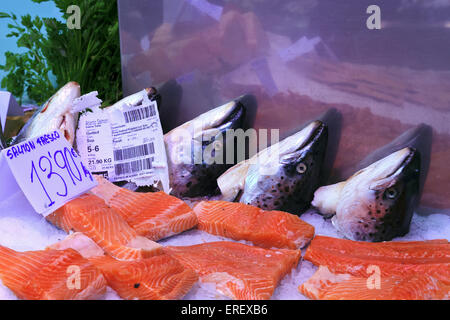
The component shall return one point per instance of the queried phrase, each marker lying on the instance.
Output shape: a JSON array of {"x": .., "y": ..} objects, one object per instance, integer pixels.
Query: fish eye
[
  {"x": 391, "y": 193},
  {"x": 301, "y": 167}
]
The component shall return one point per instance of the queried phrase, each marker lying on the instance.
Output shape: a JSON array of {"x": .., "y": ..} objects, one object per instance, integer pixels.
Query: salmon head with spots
[
  {"x": 377, "y": 202},
  {"x": 283, "y": 176},
  {"x": 194, "y": 164}
]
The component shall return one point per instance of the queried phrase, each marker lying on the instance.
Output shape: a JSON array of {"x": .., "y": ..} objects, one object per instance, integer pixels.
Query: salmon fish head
[
  {"x": 287, "y": 178},
  {"x": 377, "y": 202},
  {"x": 55, "y": 114},
  {"x": 196, "y": 150}
]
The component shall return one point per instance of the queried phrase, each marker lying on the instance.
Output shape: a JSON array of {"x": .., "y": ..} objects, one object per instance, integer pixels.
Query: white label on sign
[
  {"x": 125, "y": 142},
  {"x": 94, "y": 142},
  {"x": 49, "y": 171}
]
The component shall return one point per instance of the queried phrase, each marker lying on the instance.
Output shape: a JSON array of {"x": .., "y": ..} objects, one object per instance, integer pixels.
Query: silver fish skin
[
  {"x": 377, "y": 202},
  {"x": 193, "y": 168},
  {"x": 283, "y": 176},
  {"x": 55, "y": 114}
]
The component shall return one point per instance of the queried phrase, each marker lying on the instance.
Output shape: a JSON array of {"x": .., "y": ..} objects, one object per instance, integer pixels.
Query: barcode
[
  {"x": 139, "y": 114},
  {"x": 134, "y": 152},
  {"x": 134, "y": 166}
]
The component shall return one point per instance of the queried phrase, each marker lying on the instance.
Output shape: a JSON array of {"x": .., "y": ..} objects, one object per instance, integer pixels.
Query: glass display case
[{"x": 300, "y": 58}]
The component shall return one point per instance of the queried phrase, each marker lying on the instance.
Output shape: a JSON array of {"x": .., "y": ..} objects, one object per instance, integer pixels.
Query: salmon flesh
[
  {"x": 155, "y": 215},
  {"x": 50, "y": 275},
  {"x": 387, "y": 270},
  {"x": 91, "y": 216},
  {"x": 237, "y": 270},
  {"x": 267, "y": 229}
]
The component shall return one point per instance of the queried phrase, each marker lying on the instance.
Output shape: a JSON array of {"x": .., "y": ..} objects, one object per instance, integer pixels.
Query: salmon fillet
[
  {"x": 393, "y": 258},
  {"x": 50, "y": 275},
  {"x": 239, "y": 221},
  {"x": 155, "y": 215},
  {"x": 239, "y": 271},
  {"x": 404, "y": 270},
  {"x": 410, "y": 250},
  {"x": 325, "y": 285},
  {"x": 91, "y": 216},
  {"x": 157, "y": 278}
]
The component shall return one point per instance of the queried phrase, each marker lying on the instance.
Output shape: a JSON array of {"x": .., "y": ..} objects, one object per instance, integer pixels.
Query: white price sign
[{"x": 48, "y": 171}]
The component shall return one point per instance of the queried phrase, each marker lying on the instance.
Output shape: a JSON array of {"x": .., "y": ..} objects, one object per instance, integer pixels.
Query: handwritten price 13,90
[{"x": 59, "y": 168}]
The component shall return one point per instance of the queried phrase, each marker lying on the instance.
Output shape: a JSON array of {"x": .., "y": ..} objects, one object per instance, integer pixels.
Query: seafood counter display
[
  {"x": 239, "y": 232},
  {"x": 254, "y": 231}
]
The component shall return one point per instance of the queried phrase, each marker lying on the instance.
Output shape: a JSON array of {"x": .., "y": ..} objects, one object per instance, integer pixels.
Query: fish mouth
[
  {"x": 227, "y": 116},
  {"x": 393, "y": 167},
  {"x": 318, "y": 133},
  {"x": 411, "y": 153},
  {"x": 234, "y": 118},
  {"x": 303, "y": 141}
]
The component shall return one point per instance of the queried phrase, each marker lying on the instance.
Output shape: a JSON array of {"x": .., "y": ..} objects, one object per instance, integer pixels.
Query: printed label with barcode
[
  {"x": 134, "y": 152},
  {"x": 133, "y": 166},
  {"x": 137, "y": 141},
  {"x": 125, "y": 142},
  {"x": 139, "y": 114}
]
